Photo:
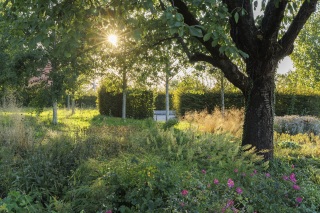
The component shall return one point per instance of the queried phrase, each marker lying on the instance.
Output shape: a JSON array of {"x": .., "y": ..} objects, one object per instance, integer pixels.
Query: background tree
[
  {"x": 61, "y": 29},
  {"x": 306, "y": 57}
]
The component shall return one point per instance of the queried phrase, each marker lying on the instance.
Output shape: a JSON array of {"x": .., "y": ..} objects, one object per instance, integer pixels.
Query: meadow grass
[{"x": 94, "y": 163}]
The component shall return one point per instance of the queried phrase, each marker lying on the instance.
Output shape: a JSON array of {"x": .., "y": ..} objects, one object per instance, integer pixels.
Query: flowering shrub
[{"x": 258, "y": 192}]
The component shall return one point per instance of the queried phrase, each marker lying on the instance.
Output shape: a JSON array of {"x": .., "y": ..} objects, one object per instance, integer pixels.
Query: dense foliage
[{"x": 140, "y": 104}]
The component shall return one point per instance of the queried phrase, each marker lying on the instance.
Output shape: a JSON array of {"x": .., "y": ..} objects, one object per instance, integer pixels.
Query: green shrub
[{"x": 170, "y": 123}]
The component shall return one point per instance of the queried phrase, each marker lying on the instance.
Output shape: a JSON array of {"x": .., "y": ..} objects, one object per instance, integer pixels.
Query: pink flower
[
  {"x": 229, "y": 203},
  {"x": 239, "y": 190},
  {"x": 182, "y": 204},
  {"x": 203, "y": 171},
  {"x": 292, "y": 166},
  {"x": 299, "y": 199},
  {"x": 255, "y": 171},
  {"x": 268, "y": 175},
  {"x": 230, "y": 183},
  {"x": 236, "y": 170},
  {"x": 216, "y": 181},
  {"x": 235, "y": 210},
  {"x": 184, "y": 192},
  {"x": 296, "y": 187},
  {"x": 293, "y": 178},
  {"x": 109, "y": 211},
  {"x": 285, "y": 177}
]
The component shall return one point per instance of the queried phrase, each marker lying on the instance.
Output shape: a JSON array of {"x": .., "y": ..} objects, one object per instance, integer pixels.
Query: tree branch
[
  {"x": 232, "y": 73},
  {"x": 287, "y": 41},
  {"x": 271, "y": 21},
  {"x": 244, "y": 32}
]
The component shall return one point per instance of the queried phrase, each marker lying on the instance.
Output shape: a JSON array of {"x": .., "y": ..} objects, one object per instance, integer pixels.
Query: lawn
[{"x": 93, "y": 163}]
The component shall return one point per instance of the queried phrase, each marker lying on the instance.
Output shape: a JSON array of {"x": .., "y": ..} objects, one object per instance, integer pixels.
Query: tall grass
[{"x": 229, "y": 122}]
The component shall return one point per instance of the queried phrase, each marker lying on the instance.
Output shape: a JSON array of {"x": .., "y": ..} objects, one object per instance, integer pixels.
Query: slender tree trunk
[
  {"x": 167, "y": 96},
  {"x": 55, "y": 112},
  {"x": 73, "y": 105},
  {"x": 259, "y": 109},
  {"x": 222, "y": 94},
  {"x": 124, "y": 94},
  {"x": 68, "y": 102}
]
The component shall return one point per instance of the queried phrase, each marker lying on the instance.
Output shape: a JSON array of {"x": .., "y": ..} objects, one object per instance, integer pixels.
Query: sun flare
[{"x": 113, "y": 39}]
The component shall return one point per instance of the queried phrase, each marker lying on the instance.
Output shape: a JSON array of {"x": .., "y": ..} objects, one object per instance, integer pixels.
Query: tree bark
[
  {"x": 222, "y": 94},
  {"x": 73, "y": 106},
  {"x": 124, "y": 94},
  {"x": 167, "y": 96},
  {"x": 259, "y": 107},
  {"x": 68, "y": 102},
  {"x": 55, "y": 112}
]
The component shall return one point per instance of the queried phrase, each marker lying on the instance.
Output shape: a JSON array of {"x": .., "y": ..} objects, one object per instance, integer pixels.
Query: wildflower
[
  {"x": 236, "y": 170},
  {"x": 255, "y": 171},
  {"x": 292, "y": 166},
  {"x": 268, "y": 175},
  {"x": 184, "y": 192},
  {"x": 293, "y": 178},
  {"x": 109, "y": 211},
  {"x": 296, "y": 187},
  {"x": 216, "y": 181},
  {"x": 299, "y": 199},
  {"x": 285, "y": 177},
  {"x": 203, "y": 171},
  {"x": 182, "y": 204},
  {"x": 239, "y": 190},
  {"x": 230, "y": 183}
]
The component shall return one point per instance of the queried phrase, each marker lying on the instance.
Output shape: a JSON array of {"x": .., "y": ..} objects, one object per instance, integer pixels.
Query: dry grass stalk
[{"x": 230, "y": 122}]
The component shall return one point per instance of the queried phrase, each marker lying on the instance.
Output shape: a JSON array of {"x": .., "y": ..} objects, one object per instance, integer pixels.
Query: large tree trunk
[{"x": 259, "y": 108}]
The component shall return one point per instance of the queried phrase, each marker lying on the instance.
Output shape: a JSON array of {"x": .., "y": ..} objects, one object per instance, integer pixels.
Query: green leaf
[
  {"x": 195, "y": 31},
  {"x": 67, "y": 54},
  {"x": 214, "y": 43},
  {"x": 236, "y": 17},
  {"x": 207, "y": 36}
]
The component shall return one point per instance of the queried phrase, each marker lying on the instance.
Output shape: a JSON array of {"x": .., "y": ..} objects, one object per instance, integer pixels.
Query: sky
[{"x": 285, "y": 65}]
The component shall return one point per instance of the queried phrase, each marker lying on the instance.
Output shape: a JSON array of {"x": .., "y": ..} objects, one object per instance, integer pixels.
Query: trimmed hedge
[
  {"x": 205, "y": 101},
  {"x": 140, "y": 104},
  {"x": 87, "y": 101},
  {"x": 285, "y": 104},
  {"x": 160, "y": 101},
  {"x": 297, "y": 105}
]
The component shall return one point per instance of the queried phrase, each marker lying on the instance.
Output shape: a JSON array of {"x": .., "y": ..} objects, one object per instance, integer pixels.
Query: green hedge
[
  {"x": 285, "y": 104},
  {"x": 197, "y": 102},
  {"x": 160, "y": 101},
  {"x": 87, "y": 101},
  {"x": 297, "y": 105},
  {"x": 140, "y": 104}
]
